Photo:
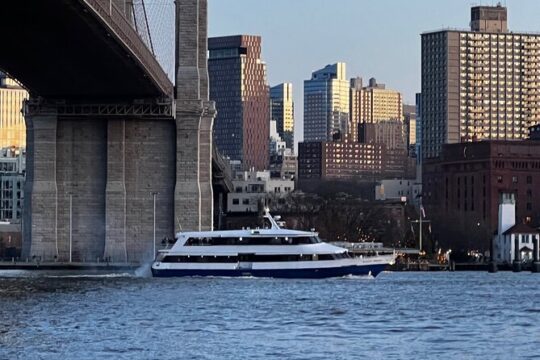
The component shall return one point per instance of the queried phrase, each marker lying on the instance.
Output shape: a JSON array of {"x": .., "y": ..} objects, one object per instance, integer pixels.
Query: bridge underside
[
  {"x": 108, "y": 153},
  {"x": 62, "y": 49}
]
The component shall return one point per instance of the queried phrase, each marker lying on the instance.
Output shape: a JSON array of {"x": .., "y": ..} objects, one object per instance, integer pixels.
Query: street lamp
[
  {"x": 70, "y": 227},
  {"x": 154, "y": 194}
]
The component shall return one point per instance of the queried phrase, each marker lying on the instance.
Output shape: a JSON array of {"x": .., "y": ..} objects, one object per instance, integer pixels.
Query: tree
[{"x": 342, "y": 217}]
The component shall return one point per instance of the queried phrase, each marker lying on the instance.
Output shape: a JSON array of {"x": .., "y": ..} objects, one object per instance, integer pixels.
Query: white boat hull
[{"x": 300, "y": 269}]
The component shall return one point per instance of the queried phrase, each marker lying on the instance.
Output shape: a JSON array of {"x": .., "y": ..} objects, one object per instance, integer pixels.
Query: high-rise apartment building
[
  {"x": 479, "y": 84},
  {"x": 326, "y": 103},
  {"x": 282, "y": 108},
  {"x": 239, "y": 87},
  {"x": 374, "y": 103},
  {"x": 12, "y": 125}
]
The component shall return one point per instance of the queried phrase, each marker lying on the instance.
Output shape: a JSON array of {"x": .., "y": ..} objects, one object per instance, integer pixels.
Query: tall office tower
[
  {"x": 480, "y": 84},
  {"x": 418, "y": 101},
  {"x": 238, "y": 86},
  {"x": 282, "y": 109},
  {"x": 374, "y": 103},
  {"x": 409, "y": 124},
  {"x": 355, "y": 108},
  {"x": 12, "y": 125},
  {"x": 326, "y": 104}
]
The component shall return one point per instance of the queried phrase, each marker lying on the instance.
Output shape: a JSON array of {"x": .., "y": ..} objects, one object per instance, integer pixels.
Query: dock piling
[
  {"x": 516, "y": 264},
  {"x": 535, "y": 266},
  {"x": 492, "y": 266}
]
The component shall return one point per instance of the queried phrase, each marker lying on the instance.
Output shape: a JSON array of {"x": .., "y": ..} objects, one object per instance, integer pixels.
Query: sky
[{"x": 376, "y": 38}]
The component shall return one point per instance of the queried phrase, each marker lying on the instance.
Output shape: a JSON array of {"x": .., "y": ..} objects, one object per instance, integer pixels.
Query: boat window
[
  {"x": 276, "y": 258},
  {"x": 199, "y": 242},
  {"x": 272, "y": 240},
  {"x": 315, "y": 240},
  {"x": 305, "y": 240},
  {"x": 251, "y": 258},
  {"x": 203, "y": 259}
]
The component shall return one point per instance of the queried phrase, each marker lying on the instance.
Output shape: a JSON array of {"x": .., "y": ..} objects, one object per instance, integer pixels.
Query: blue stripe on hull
[{"x": 278, "y": 273}]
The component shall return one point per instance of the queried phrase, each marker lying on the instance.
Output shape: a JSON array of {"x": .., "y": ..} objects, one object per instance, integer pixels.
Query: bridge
[{"x": 117, "y": 157}]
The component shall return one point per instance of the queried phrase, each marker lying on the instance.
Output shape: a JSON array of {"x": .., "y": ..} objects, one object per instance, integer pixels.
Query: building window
[
  {"x": 529, "y": 206},
  {"x": 514, "y": 179},
  {"x": 236, "y": 201},
  {"x": 499, "y": 179},
  {"x": 245, "y": 202},
  {"x": 529, "y": 179}
]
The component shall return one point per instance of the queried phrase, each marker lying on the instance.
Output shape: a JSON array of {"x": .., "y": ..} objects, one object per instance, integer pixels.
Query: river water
[{"x": 395, "y": 316}]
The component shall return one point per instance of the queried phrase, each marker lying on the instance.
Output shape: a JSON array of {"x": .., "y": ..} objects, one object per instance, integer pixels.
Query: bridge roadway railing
[
  {"x": 222, "y": 170},
  {"x": 120, "y": 26}
]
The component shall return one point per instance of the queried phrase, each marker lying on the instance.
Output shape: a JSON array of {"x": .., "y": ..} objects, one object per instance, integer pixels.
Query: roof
[
  {"x": 521, "y": 229},
  {"x": 246, "y": 233}
]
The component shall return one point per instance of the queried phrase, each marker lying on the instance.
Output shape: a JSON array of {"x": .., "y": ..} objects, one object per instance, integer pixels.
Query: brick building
[
  {"x": 464, "y": 184},
  {"x": 340, "y": 160}
]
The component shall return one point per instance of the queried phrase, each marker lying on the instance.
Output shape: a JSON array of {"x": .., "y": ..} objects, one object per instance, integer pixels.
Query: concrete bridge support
[
  {"x": 115, "y": 193},
  {"x": 91, "y": 184},
  {"x": 40, "y": 224},
  {"x": 194, "y": 119},
  {"x": 81, "y": 172},
  {"x": 94, "y": 171},
  {"x": 149, "y": 168},
  {"x": 140, "y": 164}
]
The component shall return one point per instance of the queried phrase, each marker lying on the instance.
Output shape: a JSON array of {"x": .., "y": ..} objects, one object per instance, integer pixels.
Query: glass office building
[{"x": 326, "y": 104}]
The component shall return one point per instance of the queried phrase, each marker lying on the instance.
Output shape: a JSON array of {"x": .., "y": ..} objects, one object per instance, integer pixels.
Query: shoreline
[
  {"x": 101, "y": 268},
  {"x": 74, "y": 266}
]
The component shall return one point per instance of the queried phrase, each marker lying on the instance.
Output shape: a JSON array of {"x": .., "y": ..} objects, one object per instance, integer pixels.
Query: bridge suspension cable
[
  {"x": 154, "y": 21},
  {"x": 140, "y": 21}
]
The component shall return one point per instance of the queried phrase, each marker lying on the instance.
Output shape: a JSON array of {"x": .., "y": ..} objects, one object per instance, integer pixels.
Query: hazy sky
[{"x": 376, "y": 38}]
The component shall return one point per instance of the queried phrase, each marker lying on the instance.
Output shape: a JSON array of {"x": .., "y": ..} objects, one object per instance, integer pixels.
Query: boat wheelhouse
[{"x": 271, "y": 252}]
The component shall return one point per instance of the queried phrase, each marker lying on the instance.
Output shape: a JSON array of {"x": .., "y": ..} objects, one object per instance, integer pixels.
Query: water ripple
[{"x": 396, "y": 316}]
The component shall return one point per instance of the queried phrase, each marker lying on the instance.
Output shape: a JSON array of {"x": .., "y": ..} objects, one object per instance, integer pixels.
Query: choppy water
[{"x": 396, "y": 316}]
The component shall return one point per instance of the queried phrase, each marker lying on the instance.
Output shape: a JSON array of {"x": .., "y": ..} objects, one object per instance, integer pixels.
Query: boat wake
[
  {"x": 358, "y": 277},
  {"x": 89, "y": 276},
  {"x": 144, "y": 271}
]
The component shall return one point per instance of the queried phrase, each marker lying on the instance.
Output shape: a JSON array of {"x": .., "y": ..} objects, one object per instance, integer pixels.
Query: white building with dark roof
[{"x": 509, "y": 232}]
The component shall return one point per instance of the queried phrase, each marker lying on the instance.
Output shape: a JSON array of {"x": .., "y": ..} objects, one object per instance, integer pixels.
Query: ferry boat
[{"x": 272, "y": 252}]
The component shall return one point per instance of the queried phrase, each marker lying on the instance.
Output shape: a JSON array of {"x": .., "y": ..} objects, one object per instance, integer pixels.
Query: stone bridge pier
[
  {"x": 97, "y": 170},
  {"x": 91, "y": 183}
]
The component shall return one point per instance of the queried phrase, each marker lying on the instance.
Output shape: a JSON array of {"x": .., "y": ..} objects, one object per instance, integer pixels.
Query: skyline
[{"x": 293, "y": 52}]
